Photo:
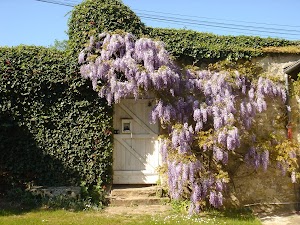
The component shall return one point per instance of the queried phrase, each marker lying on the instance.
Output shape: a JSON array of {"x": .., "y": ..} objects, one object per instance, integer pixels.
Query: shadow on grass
[
  {"x": 33, "y": 203},
  {"x": 23, "y": 162},
  {"x": 10, "y": 208},
  {"x": 242, "y": 214},
  {"x": 10, "y": 212}
]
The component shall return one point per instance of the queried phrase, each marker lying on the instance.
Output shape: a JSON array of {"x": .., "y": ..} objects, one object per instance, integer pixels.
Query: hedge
[
  {"x": 92, "y": 17},
  {"x": 199, "y": 46},
  {"x": 54, "y": 130}
]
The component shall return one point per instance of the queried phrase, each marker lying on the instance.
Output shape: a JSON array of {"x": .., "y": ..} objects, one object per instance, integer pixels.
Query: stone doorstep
[
  {"x": 137, "y": 201},
  {"x": 131, "y": 196},
  {"x": 151, "y": 191}
]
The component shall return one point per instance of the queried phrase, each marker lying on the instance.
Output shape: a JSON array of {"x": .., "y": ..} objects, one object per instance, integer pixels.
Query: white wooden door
[{"x": 136, "y": 150}]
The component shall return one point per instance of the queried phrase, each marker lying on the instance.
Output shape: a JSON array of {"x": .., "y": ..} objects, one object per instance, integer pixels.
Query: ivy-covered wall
[
  {"x": 196, "y": 47},
  {"x": 189, "y": 48},
  {"x": 54, "y": 130},
  {"x": 93, "y": 17}
]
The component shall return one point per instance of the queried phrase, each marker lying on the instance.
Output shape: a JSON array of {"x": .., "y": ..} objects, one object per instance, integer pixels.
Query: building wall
[
  {"x": 275, "y": 63},
  {"x": 264, "y": 188}
]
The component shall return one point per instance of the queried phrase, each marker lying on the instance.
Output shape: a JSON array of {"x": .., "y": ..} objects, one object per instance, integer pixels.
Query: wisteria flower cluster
[
  {"x": 125, "y": 66},
  {"x": 204, "y": 112}
]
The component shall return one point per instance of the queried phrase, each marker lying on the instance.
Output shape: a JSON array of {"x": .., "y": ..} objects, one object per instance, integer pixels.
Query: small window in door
[{"x": 126, "y": 126}]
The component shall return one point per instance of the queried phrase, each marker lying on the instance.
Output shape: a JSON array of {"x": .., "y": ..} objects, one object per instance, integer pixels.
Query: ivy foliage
[
  {"x": 54, "y": 130},
  {"x": 192, "y": 46},
  {"x": 95, "y": 16},
  {"x": 92, "y": 17}
]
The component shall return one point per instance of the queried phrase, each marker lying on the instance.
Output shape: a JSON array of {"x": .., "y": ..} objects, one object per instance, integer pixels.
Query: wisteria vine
[{"x": 204, "y": 113}]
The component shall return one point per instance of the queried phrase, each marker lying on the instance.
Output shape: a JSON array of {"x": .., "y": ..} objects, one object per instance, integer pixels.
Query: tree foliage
[{"x": 60, "y": 45}]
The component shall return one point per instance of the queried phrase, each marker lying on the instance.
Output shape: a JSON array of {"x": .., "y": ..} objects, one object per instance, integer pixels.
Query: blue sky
[{"x": 32, "y": 22}]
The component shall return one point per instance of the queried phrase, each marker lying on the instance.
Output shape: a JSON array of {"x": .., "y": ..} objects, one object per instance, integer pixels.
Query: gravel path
[{"x": 281, "y": 219}]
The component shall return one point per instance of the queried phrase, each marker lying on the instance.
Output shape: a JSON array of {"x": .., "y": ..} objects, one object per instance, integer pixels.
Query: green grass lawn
[{"x": 63, "y": 217}]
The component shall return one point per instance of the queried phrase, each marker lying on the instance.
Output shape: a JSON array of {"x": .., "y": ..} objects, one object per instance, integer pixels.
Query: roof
[{"x": 293, "y": 69}]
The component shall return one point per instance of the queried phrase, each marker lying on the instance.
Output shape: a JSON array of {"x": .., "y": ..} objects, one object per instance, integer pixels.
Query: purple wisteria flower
[
  {"x": 188, "y": 104},
  {"x": 218, "y": 153},
  {"x": 293, "y": 177},
  {"x": 233, "y": 139}
]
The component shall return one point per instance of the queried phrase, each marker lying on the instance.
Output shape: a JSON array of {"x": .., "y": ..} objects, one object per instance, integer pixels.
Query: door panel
[{"x": 136, "y": 154}]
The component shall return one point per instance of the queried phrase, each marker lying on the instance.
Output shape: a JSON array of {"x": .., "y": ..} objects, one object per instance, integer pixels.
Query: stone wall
[
  {"x": 51, "y": 192},
  {"x": 262, "y": 188},
  {"x": 274, "y": 64},
  {"x": 250, "y": 187}
]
